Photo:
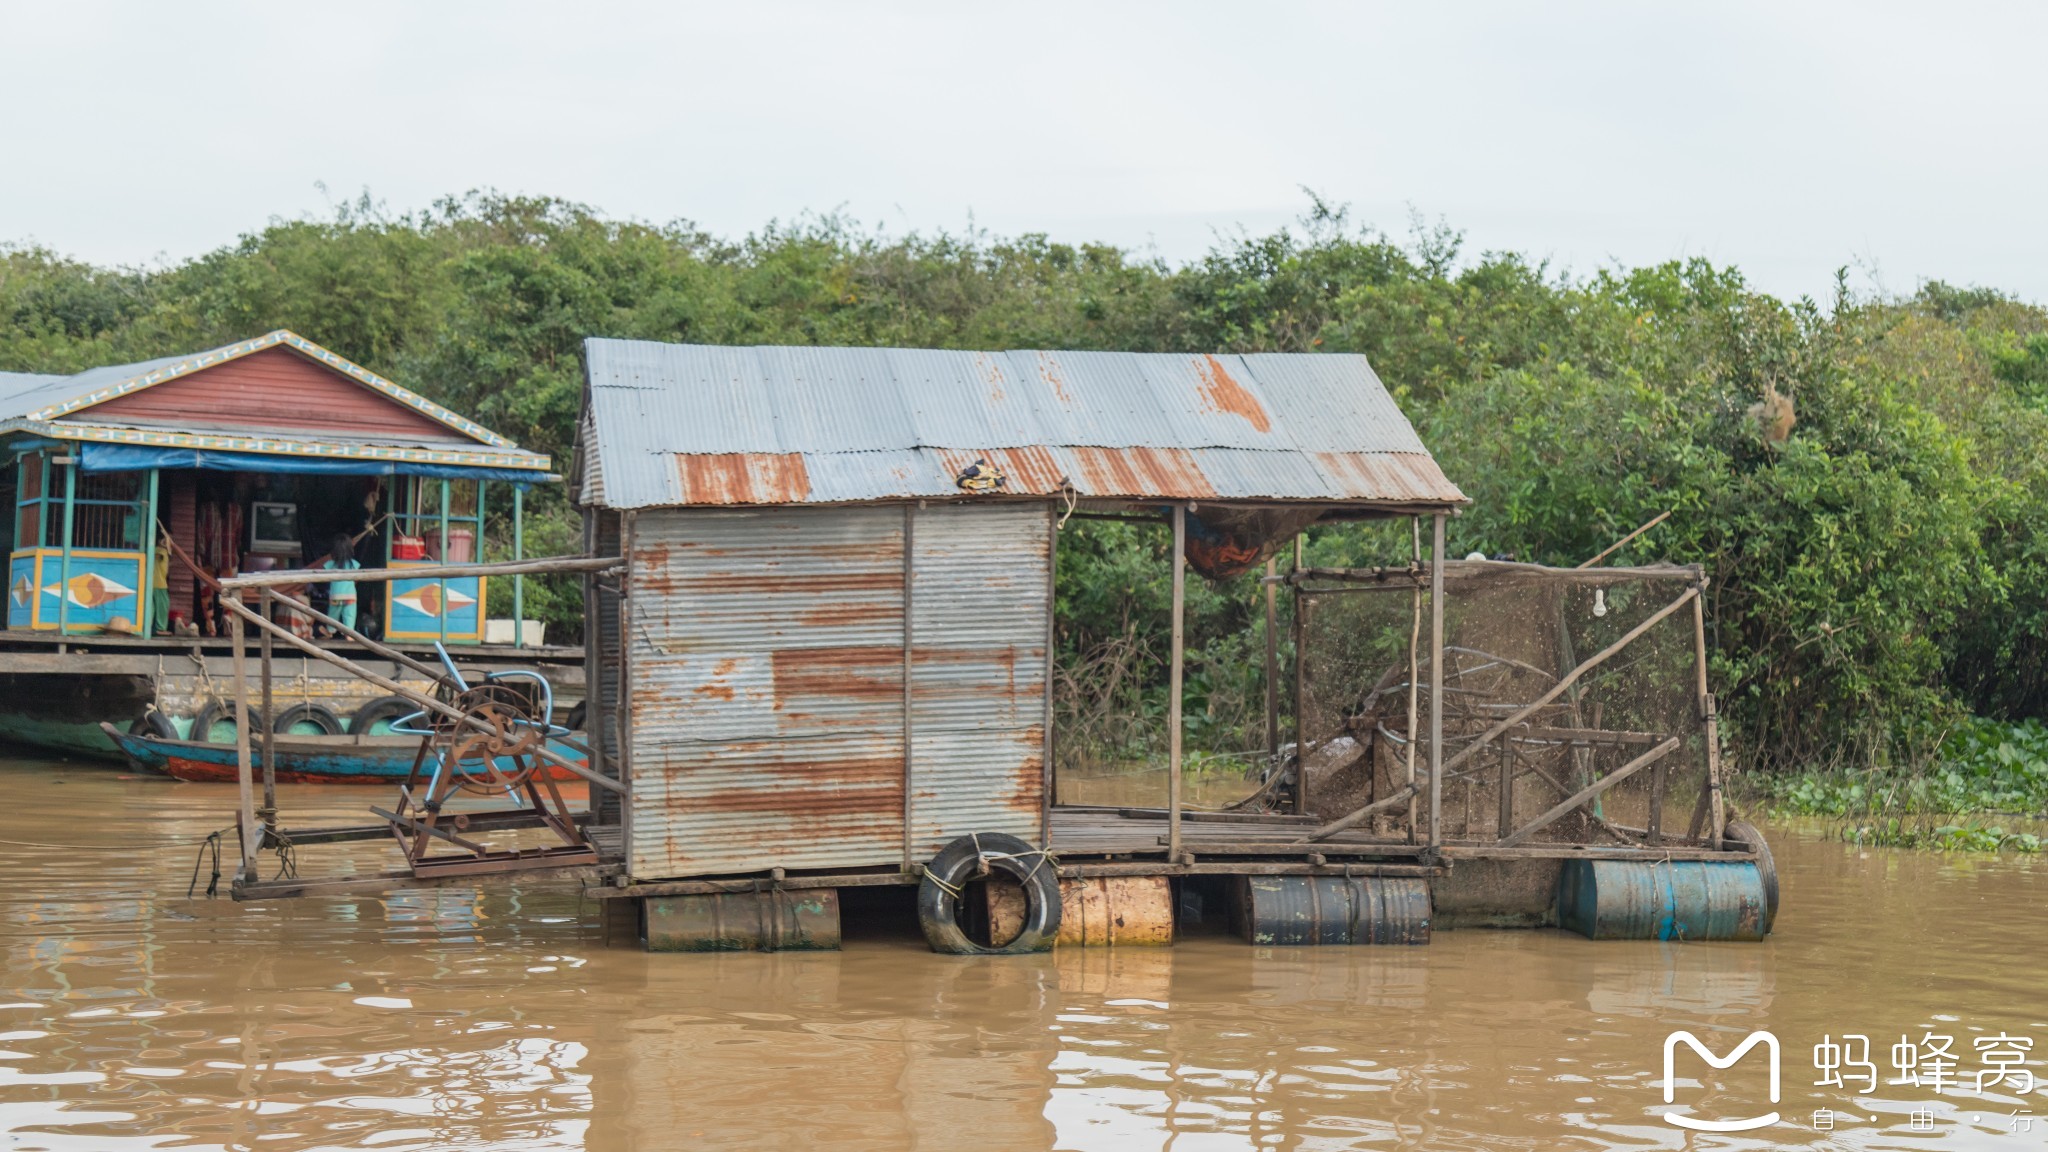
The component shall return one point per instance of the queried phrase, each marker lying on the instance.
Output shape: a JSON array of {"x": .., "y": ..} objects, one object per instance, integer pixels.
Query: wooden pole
[
  {"x": 1173, "y": 719},
  {"x": 595, "y": 564},
  {"x": 1436, "y": 683},
  {"x": 1589, "y": 792},
  {"x": 1272, "y": 668},
  {"x": 1439, "y": 768},
  {"x": 1710, "y": 724},
  {"x": 252, "y": 842},
  {"x": 1414, "y": 673},
  {"x": 427, "y": 703},
  {"x": 518, "y": 553},
  {"x": 145, "y": 603},
  {"x": 269, "y": 722},
  {"x": 1301, "y": 603}
]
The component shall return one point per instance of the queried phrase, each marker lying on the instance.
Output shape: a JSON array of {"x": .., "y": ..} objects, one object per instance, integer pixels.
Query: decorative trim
[
  {"x": 224, "y": 442},
  {"x": 293, "y": 340}
]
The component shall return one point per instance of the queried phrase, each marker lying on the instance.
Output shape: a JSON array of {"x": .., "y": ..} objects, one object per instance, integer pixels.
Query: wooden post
[
  {"x": 64, "y": 565},
  {"x": 1506, "y": 822},
  {"x": 1414, "y": 671},
  {"x": 1272, "y": 669},
  {"x": 1710, "y": 723},
  {"x": 1180, "y": 540},
  {"x": 252, "y": 842},
  {"x": 1436, "y": 684},
  {"x": 269, "y": 721},
  {"x": 1300, "y": 687}
]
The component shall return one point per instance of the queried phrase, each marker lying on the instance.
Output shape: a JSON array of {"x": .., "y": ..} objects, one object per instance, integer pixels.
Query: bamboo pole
[
  {"x": 1437, "y": 768},
  {"x": 1589, "y": 792},
  {"x": 1173, "y": 704},
  {"x": 595, "y": 564},
  {"x": 1436, "y": 685},
  {"x": 1616, "y": 546},
  {"x": 426, "y": 703}
]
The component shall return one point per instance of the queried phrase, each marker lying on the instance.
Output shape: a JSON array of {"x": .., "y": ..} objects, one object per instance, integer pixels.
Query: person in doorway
[{"x": 341, "y": 594}]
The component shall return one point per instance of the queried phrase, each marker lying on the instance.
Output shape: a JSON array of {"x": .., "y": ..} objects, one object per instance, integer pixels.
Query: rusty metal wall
[
  {"x": 978, "y": 627},
  {"x": 602, "y": 667},
  {"x": 765, "y": 673},
  {"x": 766, "y": 654}
]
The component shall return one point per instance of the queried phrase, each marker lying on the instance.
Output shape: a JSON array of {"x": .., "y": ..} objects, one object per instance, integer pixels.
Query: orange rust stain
[
  {"x": 744, "y": 478},
  {"x": 1167, "y": 472},
  {"x": 1225, "y": 394},
  {"x": 849, "y": 615},
  {"x": 871, "y": 785},
  {"x": 1050, "y": 373},
  {"x": 838, "y": 674},
  {"x": 810, "y": 584},
  {"x": 991, "y": 374},
  {"x": 718, "y": 689}
]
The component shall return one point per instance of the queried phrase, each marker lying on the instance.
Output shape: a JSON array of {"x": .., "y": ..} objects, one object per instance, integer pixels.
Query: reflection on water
[{"x": 132, "y": 1017}]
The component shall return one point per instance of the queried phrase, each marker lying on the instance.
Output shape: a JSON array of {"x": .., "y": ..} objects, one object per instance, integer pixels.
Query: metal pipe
[
  {"x": 245, "y": 772},
  {"x": 518, "y": 553},
  {"x": 1436, "y": 684},
  {"x": 146, "y": 605},
  {"x": 269, "y": 714},
  {"x": 64, "y": 566},
  {"x": 442, "y": 607},
  {"x": 1173, "y": 705}
]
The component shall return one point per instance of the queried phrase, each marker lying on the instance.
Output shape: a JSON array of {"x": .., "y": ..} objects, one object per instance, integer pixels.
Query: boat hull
[{"x": 320, "y": 760}]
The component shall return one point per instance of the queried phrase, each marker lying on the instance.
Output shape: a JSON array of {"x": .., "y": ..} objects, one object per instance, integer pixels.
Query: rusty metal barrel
[
  {"x": 1303, "y": 910},
  {"x": 776, "y": 920},
  {"x": 1663, "y": 900}
]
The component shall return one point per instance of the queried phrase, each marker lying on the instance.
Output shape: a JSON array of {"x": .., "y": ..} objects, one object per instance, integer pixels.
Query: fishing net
[{"x": 1512, "y": 634}]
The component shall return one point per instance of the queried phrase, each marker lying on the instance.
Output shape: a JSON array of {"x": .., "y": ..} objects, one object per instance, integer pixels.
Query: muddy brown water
[{"x": 132, "y": 1017}]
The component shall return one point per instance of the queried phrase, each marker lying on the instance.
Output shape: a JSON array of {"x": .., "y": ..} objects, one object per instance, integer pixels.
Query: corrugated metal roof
[{"x": 696, "y": 424}]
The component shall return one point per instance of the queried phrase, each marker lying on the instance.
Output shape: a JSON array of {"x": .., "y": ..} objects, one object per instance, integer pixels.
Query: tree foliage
[{"x": 1878, "y": 574}]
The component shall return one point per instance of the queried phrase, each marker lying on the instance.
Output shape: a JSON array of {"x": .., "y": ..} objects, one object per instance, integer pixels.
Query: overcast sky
[{"x": 1905, "y": 140}]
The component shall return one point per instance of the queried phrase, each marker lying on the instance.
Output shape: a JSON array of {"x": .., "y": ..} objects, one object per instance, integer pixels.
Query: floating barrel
[
  {"x": 1291, "y": 910},
  {"x": 1663, "y": 900},
  {"x": 1095, "y": 911},
  {"x": 770, "y": 921}
]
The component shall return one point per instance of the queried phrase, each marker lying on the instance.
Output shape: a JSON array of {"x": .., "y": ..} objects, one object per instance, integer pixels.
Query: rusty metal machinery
[{"x": 491, "y": 751}]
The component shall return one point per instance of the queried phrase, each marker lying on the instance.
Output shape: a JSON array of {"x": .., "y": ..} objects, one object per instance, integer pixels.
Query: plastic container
[{"x": 408, "y": 548}]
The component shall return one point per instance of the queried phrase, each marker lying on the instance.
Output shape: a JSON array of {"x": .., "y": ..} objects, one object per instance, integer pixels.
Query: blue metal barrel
[
  {"x": 772, "y": 921},
  {"x": 1295, "y": 910},
  {"x": 1662, "y": 900}
]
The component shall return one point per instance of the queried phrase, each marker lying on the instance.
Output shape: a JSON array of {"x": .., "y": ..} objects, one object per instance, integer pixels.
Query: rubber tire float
[
  {"x": 971, "y": 858},
  {"x": 307, "y": 720},
  {"x": 383, "y": 709}
]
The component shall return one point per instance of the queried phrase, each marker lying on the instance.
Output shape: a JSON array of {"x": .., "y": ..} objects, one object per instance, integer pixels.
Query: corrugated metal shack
[{"x": 833, "y": 656}]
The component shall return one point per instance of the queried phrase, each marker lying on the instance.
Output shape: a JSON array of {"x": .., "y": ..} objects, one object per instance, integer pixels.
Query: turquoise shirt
[{"x": 342, "y": 589}]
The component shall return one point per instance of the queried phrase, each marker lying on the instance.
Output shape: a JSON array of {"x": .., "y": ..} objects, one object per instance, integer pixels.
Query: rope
[
  {"x": 213, "y": 885},
  {"x": 105, "y": 847},
  {"x": 948, "y": 889}
]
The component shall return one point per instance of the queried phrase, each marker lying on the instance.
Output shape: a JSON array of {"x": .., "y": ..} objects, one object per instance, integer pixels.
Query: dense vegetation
[{"x": 1879, "y": 568}]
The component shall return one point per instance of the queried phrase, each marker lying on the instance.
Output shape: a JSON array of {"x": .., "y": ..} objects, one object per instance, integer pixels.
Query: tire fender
[{"x": 971, "y": 857}]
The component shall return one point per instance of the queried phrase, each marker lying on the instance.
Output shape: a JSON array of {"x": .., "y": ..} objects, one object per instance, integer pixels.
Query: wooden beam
[
  {"x": 1589, "y": 791},
  {"x": 435, "y": 572},
  {"x": 252, "y": 841}
]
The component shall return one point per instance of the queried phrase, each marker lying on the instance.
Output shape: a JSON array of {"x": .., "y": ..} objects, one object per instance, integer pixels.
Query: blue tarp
[{"x": 139, "y": 457}]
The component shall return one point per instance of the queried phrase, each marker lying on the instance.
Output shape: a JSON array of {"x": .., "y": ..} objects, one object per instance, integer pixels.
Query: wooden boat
[{"x": 300, "y": 759}]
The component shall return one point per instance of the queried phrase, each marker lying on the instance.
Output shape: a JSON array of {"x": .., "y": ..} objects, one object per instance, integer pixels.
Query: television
[{"x": 274, "y": 527}]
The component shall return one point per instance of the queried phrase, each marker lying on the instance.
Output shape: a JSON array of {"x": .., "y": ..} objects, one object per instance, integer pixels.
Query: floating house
[{"x": 131, "y": 489}]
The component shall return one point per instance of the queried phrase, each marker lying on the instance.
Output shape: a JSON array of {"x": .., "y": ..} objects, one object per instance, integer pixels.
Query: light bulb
[{"x": 1599, "y": 601}]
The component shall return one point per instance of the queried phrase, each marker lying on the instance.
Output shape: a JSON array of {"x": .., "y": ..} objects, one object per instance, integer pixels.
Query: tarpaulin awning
[{"x": 95, "y": 457}]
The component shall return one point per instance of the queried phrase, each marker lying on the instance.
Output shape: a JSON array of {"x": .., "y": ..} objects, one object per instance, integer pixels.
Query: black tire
[
  {"x": 969, "y": 858},
  {"x": 577, "y": 715},
  {"x": 382, "y": 710},
  {"x": 1766, "y": 868},
  {"x": 217, "y": 712},
  {"x": 153, "y": 723},
  {"x": 318, "y": 716}
]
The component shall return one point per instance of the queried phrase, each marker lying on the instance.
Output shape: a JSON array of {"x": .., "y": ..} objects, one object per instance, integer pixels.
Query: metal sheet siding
[
  {"x": 858, "y": 424},
  {"x": 603, "y": 665},
  {"x": 767, "y": 690},
  {"x": 978, "y": 613}
]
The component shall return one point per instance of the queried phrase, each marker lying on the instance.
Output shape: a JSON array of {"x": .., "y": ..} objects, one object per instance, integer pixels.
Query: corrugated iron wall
[
  {"x": 980, "y": 578},
  {"x": 765, "y": 658},
  {"x": 602, "y": 669}
]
